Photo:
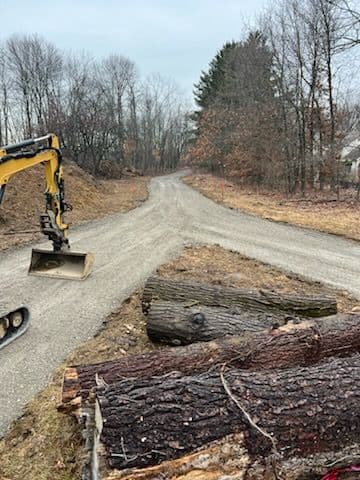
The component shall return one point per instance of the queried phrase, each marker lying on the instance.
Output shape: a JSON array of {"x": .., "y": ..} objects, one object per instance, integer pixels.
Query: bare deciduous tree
[
  {"x": 105, "y": 117},
  {"x": 278, "y": 118}
]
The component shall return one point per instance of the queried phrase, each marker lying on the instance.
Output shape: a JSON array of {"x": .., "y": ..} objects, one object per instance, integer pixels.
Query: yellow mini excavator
[{"x": 60, "y": 262}]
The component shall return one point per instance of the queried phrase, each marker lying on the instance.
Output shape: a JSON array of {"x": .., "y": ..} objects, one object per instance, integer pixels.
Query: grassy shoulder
[
  {"x": 90, "y": 198},
  {"x": 44, "y": 443},
  {"x": 321, "y": 212}
]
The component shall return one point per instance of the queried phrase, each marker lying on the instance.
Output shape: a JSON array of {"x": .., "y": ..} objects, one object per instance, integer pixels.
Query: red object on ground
[{"x": 333, "y": 475}]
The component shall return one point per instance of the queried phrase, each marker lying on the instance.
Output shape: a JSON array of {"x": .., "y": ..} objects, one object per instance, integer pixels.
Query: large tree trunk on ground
[
  {"x": 300, "y": 411},
  {"x": 227, "y": 458},
  {"x": 219, "y": 460},
  {"x": 175, "y": 324},
  {"x": 215, "y": 296},
  {"x": 293, "y": 344}
]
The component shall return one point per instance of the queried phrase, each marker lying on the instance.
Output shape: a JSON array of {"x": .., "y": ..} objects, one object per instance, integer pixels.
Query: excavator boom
[{"x": 60, "y": 262}]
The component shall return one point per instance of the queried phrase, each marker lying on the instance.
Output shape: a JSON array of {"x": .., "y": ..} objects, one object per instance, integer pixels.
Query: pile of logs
[{"x": 259, "y": 385}]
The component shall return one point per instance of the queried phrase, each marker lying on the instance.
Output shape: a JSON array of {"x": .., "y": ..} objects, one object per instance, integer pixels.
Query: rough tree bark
[
  {"x": 290, "y": 345},
  {"x": 221, "y": 459},
  {"x": 172, "y": 323},
  {"x": 227, "y": 458},
  {"x": 216, "y": 296},
  {"x": 291, "y": 412}
]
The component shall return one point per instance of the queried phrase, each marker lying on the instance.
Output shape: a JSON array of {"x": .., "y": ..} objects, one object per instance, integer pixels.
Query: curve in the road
[{"x": 128, "y": 248}]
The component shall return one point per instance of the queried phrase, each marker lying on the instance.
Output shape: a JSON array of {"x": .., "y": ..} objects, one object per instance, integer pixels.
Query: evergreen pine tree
[{"x": 210, "y": 82}]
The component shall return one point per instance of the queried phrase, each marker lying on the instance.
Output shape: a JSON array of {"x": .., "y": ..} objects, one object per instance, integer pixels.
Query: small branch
[
  {"x": 352, "y": 459},
  {"x": 246, "y": 415}
]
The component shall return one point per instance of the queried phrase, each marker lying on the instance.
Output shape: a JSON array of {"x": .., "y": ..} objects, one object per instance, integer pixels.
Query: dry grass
[
  {"x": 218, "y": 266},
  {"x": 45, "y": 444},
  {"x": 90, "y": 198},
  {"x": 320, "y": 212}
]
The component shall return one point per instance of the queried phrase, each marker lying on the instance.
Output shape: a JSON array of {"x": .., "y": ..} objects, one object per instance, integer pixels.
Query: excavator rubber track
[{"x": 13, "y": 323}]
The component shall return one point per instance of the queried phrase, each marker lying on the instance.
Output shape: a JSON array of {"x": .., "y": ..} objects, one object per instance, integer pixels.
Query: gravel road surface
[{"x": 128, "y": 248}]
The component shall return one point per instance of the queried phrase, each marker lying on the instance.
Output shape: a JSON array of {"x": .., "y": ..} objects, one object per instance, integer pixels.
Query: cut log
[
  {"x": 174, "y": 324},
  {"x": 216, "y": 296},
  {"x": 221, "y": 459},
  {"x": 293, "y": 344},
  {"x": 291, "y": 412},
  {"x": 228, "y": 459}
]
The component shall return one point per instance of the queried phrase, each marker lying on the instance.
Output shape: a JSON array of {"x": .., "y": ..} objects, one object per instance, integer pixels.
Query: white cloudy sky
[{"x": 176, "y": 38}]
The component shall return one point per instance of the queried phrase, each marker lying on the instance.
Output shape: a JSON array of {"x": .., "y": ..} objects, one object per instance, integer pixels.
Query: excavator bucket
[{"x": 67, "y": 265}]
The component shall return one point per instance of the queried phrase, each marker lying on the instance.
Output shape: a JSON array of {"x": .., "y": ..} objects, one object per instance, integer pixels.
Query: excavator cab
[{"x": 60, "y": 262}]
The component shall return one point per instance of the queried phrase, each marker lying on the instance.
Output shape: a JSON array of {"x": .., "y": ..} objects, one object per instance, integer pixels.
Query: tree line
[
  {"x": 106, "y": 116},
  {"x": 272, "y": 108}
]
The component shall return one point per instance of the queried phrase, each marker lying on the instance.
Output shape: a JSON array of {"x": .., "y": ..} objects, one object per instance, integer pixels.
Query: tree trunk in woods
[
  {"x": 293, "y": 412},
  {"x": 291, "y": 345},
  {"x": 215, "y": 296}
]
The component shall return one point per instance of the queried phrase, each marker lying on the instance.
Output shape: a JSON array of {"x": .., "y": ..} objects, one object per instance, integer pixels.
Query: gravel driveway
[{"x": 128, "y": 248}]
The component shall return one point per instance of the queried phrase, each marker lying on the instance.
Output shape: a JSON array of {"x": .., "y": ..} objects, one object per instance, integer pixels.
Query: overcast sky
[{"x": 176, "y": 38}]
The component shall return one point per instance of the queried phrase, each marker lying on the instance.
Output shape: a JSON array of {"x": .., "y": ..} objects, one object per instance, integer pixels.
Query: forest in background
[
  {"x": 106, "y": 116},
  {"x": 274, "y": 110}
]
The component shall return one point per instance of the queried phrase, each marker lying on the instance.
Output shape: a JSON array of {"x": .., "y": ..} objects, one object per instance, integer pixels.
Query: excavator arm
[
  {"x": 59, "y": 262},
  {"x": 14, "y": 159}
]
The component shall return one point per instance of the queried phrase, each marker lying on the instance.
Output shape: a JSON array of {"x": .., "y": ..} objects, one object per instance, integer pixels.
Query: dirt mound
[{"x": 91, "y": 198}]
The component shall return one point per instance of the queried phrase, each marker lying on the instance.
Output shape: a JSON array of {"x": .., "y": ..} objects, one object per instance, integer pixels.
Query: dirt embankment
[
  {"x": 46, "y": 444},
  {"x": 320, "y": 212},
  {"x": 90, "y": 198}
]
